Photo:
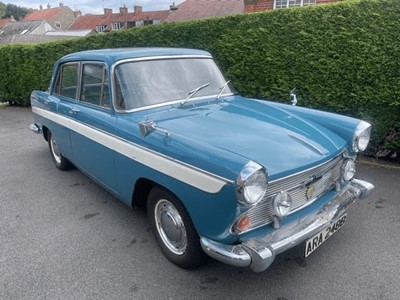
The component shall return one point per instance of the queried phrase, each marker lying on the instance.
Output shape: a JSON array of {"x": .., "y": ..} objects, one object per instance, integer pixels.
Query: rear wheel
[
  {"x": 60, "y": 161},
  {"x": 174, "y": 230}
]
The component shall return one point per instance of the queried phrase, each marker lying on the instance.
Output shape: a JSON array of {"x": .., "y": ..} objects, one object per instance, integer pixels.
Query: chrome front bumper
[
  {"x": 259, "y": 253},
  {"x": 35, "y": 128}
]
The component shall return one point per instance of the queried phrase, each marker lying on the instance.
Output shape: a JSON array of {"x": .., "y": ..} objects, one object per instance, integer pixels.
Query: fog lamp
[
  {"x": 282, "y": 204},
  {"x": 348, "y": 170}
]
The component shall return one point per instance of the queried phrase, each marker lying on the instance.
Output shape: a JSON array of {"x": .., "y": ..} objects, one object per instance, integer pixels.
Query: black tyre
[
  {"x": 174, "y": 230},
  {"x": 60, "y": 161}
]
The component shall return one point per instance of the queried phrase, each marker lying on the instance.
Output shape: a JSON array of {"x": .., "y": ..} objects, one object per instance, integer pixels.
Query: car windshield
[{"x": 153, "y": 82}]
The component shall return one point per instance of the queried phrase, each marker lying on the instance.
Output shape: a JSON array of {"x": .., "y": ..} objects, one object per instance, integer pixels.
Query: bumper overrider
[{"x": 259, "y": 253}]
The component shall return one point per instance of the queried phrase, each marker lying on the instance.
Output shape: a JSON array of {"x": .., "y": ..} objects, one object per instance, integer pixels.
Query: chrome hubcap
[
  {"x": 170, "y": 227},
  {"x": 55, "y": 150}
]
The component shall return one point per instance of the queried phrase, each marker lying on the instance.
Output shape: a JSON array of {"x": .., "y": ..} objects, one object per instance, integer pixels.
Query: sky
[{"x": 97, "y": 6}]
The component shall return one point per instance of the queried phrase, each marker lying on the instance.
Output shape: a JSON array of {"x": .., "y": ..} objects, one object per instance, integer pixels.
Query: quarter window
[
  {"x": 95, "y": 85},
  {"x": 67, "y": 79}
]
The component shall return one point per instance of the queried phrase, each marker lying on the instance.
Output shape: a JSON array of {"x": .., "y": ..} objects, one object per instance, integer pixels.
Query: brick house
[
  {"x": 260, "y": 5},
  {"x": 3, "y": 22},
  {"x": 59, "y": 17},
  {"x": 202, "y": 9},
  {"x": 115, "y": 21}
]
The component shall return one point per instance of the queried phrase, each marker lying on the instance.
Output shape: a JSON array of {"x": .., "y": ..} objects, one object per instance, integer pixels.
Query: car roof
[{"x": 117, "y": 54}]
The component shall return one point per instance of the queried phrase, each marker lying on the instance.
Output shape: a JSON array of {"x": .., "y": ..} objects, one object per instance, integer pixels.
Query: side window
[
  {"x": 67, "y": 79},
  {"x": 95, "y": 85}
]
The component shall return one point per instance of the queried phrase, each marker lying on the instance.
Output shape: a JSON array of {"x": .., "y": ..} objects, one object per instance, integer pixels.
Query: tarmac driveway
[{"x": 64, "y": 237}]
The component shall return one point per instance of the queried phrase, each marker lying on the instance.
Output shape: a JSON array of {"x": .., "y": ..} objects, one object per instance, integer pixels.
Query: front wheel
[
  {"x": 60, "y": 161},
  {"x": 174, "y": 230}
]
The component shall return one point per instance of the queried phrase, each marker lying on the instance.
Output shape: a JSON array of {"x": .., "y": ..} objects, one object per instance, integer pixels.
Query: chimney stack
[
  {"x": 123, "y": 10},
  {"x": 137, "y": 9},
  {"x": 108, "y": 11},
  {"x": 173, "y": 7}
]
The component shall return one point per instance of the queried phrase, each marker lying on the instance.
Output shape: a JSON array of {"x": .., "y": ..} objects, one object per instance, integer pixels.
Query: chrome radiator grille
[{"x": 321, "y": 178}]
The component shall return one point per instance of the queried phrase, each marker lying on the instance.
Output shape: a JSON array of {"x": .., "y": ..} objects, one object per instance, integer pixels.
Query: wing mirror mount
[{"x": 147, "y": 127}]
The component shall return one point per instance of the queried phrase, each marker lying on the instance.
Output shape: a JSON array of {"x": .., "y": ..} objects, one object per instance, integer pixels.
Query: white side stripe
[{"x": 191, "y": 175}]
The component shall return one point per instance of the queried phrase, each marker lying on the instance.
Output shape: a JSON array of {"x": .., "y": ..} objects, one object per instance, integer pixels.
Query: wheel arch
[
  {"x": 142, "y": 189},
  {"x": 45, "y": 131}
]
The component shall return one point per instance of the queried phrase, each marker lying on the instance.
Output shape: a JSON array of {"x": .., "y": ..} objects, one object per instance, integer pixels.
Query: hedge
[{"x": 341, "y": 57}]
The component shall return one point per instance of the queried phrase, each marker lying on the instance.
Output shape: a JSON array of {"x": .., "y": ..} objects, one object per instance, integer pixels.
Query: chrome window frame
[
  {"x": 93, "y": 62},
  {"x": 161, "y": 57}
]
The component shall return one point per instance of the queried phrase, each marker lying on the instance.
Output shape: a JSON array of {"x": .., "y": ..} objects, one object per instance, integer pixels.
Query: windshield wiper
[
  {"x": 193, "y": 92},
  {"x": 221, "y": 89}
]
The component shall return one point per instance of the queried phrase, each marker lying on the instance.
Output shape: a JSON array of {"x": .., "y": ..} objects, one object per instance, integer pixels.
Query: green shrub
[{"x": 342, "y": 57}]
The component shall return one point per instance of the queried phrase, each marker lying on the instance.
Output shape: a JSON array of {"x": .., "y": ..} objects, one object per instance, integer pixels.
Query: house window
[
  {"x": 148, "y": 22},
  {"x": 58, "y": 25},
  {"x": 130, "y": 24},
  {"x": 117, "y": 26},
  {"x": 290, "y": 3},
  {"x": 100, "y": 28}
]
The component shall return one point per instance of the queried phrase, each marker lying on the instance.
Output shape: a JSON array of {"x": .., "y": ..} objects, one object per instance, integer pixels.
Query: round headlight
[
  {"x": 251, "y": 183},
  {"x": 282, "y": 204},
  {"x": 361, "y": 136},
  {"x": 348, "y": 170}
]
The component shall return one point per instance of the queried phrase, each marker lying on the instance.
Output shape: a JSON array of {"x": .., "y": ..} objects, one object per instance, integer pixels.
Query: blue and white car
[{"x": 238, "y": 179}]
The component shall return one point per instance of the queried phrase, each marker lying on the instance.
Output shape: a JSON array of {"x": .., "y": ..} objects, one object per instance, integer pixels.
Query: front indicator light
[{"x": 243, "y": 224}]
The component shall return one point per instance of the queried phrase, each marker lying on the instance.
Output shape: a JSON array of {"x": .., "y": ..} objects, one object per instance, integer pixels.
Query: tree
[
  {"x": 2, "y": 10},
  {"x": 13, "y": 10}
]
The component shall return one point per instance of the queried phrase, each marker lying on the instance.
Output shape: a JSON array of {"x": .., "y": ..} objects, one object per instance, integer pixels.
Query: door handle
[{"x": 74, "y": 111}]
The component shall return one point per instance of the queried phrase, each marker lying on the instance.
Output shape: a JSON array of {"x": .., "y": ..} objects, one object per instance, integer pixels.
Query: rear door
[
  {"x": 62, "y": 99},
  {"x": 93, "y": 125}
]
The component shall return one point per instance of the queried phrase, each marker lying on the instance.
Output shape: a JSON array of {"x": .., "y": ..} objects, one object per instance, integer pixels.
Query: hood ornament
[{"x": 293, "y": 97}]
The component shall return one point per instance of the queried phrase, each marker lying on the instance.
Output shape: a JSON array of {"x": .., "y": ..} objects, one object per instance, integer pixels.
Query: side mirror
[{"x": 147, "y": 127}]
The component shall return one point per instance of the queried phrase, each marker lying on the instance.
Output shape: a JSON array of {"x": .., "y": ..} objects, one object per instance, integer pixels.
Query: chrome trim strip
[{"x": 307, "y": 143}]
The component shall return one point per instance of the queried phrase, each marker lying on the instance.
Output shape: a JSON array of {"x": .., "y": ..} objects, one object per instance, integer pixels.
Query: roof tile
[{"x": 202, "y": 9}]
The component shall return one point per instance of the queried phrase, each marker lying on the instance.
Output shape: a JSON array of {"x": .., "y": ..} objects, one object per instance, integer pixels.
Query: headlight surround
[
  {"x": 361, "y": 136},
  {"x": 348, "y": 170},
  {"x": 282, "y": 204},
  {"x": 251, "y": 184}
]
